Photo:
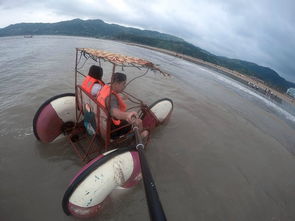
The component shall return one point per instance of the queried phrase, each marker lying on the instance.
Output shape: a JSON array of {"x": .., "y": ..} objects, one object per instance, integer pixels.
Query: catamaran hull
[
  {"x": 52, "y": 115},
  {"x": 88, "y": 190},
  {"x": 162, "y": 109}
]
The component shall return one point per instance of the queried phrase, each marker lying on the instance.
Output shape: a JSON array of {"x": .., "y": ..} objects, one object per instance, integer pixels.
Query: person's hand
[
  {"x": 131, "y": 117},
  {"x": 124, "y": 96}
]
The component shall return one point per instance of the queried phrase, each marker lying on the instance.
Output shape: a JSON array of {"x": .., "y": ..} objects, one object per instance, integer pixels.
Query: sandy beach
[{"x": 250, "y": 81}]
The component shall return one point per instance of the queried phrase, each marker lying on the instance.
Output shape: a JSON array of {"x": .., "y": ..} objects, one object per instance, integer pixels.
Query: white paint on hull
[
  {"x": 100, "y": 183},
  {"x": 162, "y": 109},
  {"x": 65, "y": 108}
]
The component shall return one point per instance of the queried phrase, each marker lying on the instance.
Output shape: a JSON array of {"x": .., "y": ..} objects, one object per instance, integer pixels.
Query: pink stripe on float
[
  {"x": 84, "y": 212},
  {"x": 48, "y": 124}
]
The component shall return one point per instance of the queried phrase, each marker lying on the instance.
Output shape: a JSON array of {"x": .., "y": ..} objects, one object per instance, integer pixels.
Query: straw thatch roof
[{"x": 119, "y": 59}]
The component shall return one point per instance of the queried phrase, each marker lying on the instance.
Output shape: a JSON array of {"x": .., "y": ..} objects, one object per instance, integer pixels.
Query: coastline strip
[{"x": 250, "y": 81}]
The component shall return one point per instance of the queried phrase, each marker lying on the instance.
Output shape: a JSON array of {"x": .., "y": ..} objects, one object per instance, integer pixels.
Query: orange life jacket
[
  {"x": 104, "y": 93},
  {"x": 89, "y": 82}
]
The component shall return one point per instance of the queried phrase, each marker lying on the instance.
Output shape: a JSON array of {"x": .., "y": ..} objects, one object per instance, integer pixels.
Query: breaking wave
[{"x": 269, "y": 103}]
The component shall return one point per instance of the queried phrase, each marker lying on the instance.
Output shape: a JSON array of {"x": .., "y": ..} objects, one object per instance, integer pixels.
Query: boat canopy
[{"x": 118, "y": 59}]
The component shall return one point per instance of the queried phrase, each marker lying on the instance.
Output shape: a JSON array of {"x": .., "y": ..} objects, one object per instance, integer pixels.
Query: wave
[{"x": 269, "y": 103}]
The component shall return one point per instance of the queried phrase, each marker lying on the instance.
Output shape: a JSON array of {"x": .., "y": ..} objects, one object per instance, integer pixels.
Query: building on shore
[{"x": 291, "y": 92}]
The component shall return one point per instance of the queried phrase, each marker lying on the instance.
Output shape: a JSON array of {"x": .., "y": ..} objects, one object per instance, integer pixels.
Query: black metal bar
[{"x": 154, "y": 204}]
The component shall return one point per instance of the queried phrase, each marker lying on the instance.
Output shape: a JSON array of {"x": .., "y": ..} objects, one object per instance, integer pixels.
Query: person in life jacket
[
  {"x": 93, "y": 82},
  {"x": 117, "y": 106}
]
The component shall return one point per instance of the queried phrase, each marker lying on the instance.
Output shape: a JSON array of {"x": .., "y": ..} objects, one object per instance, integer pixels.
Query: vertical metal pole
[
  {"x": 113, "y": 71},
  {"x": 109, "y": 109},
  {"x": 76, "y": 94},
  {"x": 114, "y": 67}
]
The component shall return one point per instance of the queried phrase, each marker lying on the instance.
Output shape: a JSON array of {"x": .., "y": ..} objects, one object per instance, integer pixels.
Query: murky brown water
[{"x": 226, "y": 154}]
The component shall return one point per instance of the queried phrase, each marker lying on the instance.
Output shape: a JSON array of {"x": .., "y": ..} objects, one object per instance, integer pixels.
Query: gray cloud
[{"x": 258, "y": 31}]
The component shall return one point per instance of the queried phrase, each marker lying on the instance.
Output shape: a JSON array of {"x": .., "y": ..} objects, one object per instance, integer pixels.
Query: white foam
[{"x": 286, "y": 114}]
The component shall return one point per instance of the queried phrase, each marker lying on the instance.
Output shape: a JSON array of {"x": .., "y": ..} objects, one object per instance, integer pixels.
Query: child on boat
[{"x": 93, "y": 82}]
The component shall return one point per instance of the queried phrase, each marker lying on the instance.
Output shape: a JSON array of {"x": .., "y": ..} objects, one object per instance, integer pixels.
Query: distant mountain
[
  {"x": 99, "y": 29},
  {"x": 77, "y": 27}
]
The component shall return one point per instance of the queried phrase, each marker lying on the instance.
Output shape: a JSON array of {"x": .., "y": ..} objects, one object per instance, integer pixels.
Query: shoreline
[{"x": 252, "y": 82}]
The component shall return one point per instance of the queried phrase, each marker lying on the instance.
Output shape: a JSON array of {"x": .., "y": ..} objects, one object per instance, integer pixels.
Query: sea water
[{"x": 226, "y": 154}]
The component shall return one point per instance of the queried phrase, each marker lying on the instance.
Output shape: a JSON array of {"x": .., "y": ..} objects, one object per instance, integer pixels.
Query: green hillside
[{"x": 99, "y": 29}]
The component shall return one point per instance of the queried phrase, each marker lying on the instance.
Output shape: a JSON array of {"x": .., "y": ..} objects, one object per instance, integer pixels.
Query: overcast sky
[{"x": 260, "y": 31}]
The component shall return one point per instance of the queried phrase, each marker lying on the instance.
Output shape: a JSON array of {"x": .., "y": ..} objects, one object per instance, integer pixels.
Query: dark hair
[
  {"x": 119, "y": 77},
  {"x": 95, "y": 72}
]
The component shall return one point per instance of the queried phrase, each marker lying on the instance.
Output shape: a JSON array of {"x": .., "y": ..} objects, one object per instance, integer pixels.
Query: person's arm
[
  {"x": 121, "y": 115},
  {"x": 117, "y": 113}
]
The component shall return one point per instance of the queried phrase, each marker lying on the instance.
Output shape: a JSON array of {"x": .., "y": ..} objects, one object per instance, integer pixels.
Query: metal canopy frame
[{"x": 117, "y": 60}]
